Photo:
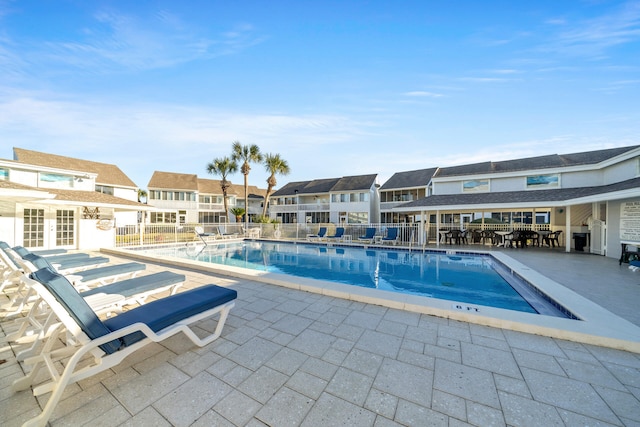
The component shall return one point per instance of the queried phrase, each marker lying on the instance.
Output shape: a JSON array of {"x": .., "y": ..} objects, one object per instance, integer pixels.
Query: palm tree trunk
[
  {"x": 266, "y": 201},
  {"x": 246, "y": 201}
]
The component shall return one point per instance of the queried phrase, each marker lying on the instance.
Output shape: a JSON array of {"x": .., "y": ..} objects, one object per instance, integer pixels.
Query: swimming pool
[{"x": 465, "y": 278}]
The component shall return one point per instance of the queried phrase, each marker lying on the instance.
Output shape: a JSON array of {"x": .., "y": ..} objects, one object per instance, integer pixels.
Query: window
[
  {"x": 357, "y": 218},
  {"x": 4, "y": 174},
  {"x": 53, "y": 180},
  {"x": 210, "y": 217},
  {"x": 538, "y": 182},
  {"x": 318, "y": 217},
  {"x": 288, "y": 218},
  {"x": 475, "y": 186},
  {"x": 163, "y": 217},
  {"x": 104, "y": 189},
  {"x": 33, "y": 236},
  {"x": 65, "y": 228}
]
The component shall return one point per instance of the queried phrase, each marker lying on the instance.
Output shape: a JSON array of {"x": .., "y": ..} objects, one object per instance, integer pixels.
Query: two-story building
[
  {"x": 50, "y": 201},
  {"x": 593, "y": 195},
  {"x": 346, "y": 200},
  {"x": 404, "y": 187},
  {"x": 181, "y": 198}
]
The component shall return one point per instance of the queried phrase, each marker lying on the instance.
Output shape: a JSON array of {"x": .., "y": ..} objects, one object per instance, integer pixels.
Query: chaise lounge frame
[{"x": 80, "y": 346}]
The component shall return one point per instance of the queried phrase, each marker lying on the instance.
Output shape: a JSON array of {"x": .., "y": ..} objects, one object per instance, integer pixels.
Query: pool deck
[{"x": 290, "y": 357}]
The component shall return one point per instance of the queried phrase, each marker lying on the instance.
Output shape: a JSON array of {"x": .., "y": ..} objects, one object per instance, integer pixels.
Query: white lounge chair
[
  {"x": 21, "y": 294},
  {"x": 100, "y": 345},
  {"x": 205, "y": 237},
  {"x": 106, "y": 299},
  {"x": 101, "y": 276},
  {"x": 392, "y": 235},
  {"x": 322, "y": 232}
]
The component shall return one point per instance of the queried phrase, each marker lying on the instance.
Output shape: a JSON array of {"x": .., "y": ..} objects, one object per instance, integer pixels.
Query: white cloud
[
  {"x": 422, "y": 93},
  {"x": 115, "y": 42},
  {"x": 144, "y": 137},
  {"x": 592, "y": 38}
]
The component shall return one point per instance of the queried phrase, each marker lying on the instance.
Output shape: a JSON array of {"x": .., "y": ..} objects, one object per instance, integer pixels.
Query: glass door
[
  {"x": 33, "y": 234},
  {"x": 65, "y": 228}
]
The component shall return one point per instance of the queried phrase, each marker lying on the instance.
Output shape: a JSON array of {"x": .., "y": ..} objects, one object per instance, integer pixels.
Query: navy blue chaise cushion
[{"x": 157, "y": 314}]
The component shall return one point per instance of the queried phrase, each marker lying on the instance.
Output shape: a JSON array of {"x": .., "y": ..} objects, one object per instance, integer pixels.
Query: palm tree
[
  {"x": 247, "y": 154},
  {"x": 223, "y": 167},
  {"x": 142, "y": 194},
  {"x": 274, "y": 164},
  {"x": 238, "y": 212}
]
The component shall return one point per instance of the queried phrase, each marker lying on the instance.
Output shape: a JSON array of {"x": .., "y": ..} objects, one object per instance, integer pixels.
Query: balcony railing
[{"x": 301, "y": 207}]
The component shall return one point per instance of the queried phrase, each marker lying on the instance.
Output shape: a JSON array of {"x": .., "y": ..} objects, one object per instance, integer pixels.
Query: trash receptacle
[{"x": 579, "y": 241}]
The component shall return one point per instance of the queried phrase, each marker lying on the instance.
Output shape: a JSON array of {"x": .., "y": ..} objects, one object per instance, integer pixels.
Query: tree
[
  {"x": 247, "y": 154},
  {"x": 238, "y": 212},
  {"x": 142, "y": 194},
  {"x": 223, "y": 167},
  {"x": 274, "y": 164}
]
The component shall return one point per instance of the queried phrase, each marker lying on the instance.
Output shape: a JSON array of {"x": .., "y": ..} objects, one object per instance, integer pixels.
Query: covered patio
[{"x": 588, "y": 215}]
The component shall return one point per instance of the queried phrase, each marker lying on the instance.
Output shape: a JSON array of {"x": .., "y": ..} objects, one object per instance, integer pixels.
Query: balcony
[{"x": 307, "y": 207}]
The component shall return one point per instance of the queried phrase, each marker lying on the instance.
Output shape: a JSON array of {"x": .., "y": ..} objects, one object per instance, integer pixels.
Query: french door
[{"x": 56, "y": 230}]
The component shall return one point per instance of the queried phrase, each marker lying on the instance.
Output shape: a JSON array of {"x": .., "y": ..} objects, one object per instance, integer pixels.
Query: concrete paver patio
[{"x": 289, "y": 358}]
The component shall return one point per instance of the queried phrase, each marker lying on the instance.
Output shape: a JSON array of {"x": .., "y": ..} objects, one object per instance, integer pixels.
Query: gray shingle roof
[
  {"x": 323, "y": 186},
  {"x": 553, "y": 197},
  {"x": 532, "y": 163},
  {"x": 290, "y": 188},
  {"x": 409, "y": 179},
  {"x": 354, "y": 183}
]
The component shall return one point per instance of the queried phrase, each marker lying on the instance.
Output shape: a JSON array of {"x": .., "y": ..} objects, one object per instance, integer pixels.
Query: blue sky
[{"x": 335, "y": 87}]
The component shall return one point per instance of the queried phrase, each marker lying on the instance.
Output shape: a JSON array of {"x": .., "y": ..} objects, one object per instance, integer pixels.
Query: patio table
[
  {"x": 502, "y": 235},
  {"x": 542, "y": 234}
]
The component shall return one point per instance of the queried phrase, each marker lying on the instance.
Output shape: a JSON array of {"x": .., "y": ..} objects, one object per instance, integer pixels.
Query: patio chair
[
  {"x": 338, "y": 234},
  {"x": 106, "y": 299},
  {"x": 532, "y": 236},
  {"x": 369, "y": 234},
  {"x": 507, "y": 240},
  {"x": 488, "y": 235},
  {"x": 67, "y": 267},
  {"x": 252, "y": 233},
  {"x": 104, "y": 275},
  {"x": 454, "y": 236},
  {"x": 63, "y": 267},
  {"x": 552, "y": 238},
  {"x": 392, "y": 235},
  {"x": 476, "y": 236},
  {"x": 55, "y": 258},
  {"x": 321, "y": 233},
  {"x": 49, "y": 252},
  {"x": 21, "y": 296},
  {"x": 226, "y": 235},
  {"x": 108, "y": 342},
  {"x": 204, "y": 237},
  {"x": 10, "y": 270}
]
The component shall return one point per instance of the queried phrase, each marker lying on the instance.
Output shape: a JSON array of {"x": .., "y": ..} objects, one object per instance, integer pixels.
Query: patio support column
[
  {"x": 437, "y": 227},
  {"x": 421, "y": 230},
  {"x": 567, "y": 242}
]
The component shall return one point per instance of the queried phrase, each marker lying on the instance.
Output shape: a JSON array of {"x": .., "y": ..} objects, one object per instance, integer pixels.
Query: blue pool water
[{"x": 471, "y": 279}]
